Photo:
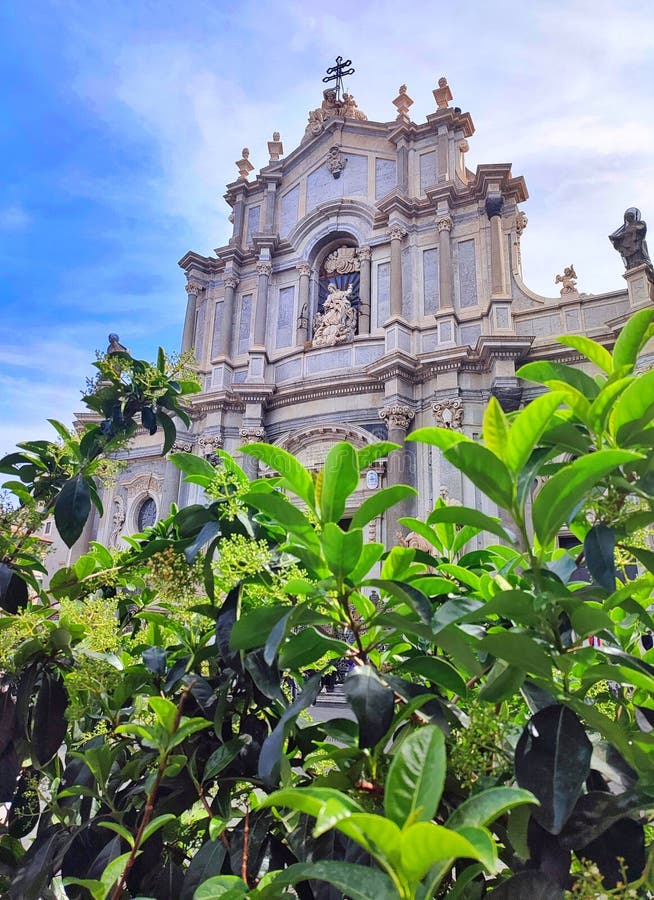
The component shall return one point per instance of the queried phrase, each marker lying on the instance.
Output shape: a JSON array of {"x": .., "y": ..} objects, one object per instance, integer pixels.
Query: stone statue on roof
[{"x": 629, "y": 240}]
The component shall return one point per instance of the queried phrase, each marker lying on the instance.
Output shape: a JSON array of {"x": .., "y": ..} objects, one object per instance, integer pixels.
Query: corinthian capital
[
  {"x": 397, "y": 416},
  {"x": 304, "y": 268},
  {"x": 193, "y": 287},
  {"x": 264, "y": 268},
  {"x": 231, "y": 280},
  {"x": 396, "y": 232},
  {"x": 365, "y": 254},
  {"x": 445, "y": 223}
]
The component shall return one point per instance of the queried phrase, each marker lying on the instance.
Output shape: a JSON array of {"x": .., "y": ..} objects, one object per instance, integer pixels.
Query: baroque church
[{"x": 372, "y": 285}]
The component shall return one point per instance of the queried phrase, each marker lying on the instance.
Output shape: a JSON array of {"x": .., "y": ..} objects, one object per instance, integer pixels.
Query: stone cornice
[
  {"x": 496, "y": 346},
  {"x": 394, "y": 364},
  {"x": 204, "y": 264},
  {"x": 306, "y": 391},
  {"x": 254, "y": 393}
]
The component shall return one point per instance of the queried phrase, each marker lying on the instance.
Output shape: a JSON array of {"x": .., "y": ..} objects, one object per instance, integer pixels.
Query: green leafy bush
[{"x": 156, "y": 734}]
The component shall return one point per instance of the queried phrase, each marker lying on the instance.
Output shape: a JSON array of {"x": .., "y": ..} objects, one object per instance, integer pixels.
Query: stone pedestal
[{"x": 640, "y": 285}]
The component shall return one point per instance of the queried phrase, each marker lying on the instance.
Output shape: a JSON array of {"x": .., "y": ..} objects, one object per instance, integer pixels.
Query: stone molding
[
  {"x": 182, "y": 447},
  {"x": 209, "y": 442},
  {"x": 397, "y": 416},
  {"x": 444, "y": 223},
  {"x": 448, "y": 414},
  {"x": 231, "y": 281},
  {"x": 365, "y": 254},
  {"x": 193, "y": 287},
  {"x": 304, "y": 268}
]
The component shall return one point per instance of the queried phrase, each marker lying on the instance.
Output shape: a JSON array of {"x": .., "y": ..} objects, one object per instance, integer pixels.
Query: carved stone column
[
  {"x": 365, "y": 255},
  {"x": 250, "y": 434},
  {"x": 264, "y": 271},
  {"x": 231, "y": 281},
  {"x": 444, "y": 225},
  {"x": 172, "y": 478},
  {"x": 302, "y": 330},
  {"x": 499, "y": 281},
  {"x": 193, "y": 288},
  {"x": 396, "y": 233},
  {"x": 397, "y": 417}
]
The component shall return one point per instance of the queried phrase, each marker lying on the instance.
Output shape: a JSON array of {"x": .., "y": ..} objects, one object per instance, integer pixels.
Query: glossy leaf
[
  {"x": 367, "y": 455},
  {"x": 72, "y": 508},
  {"x": 379, "y": 502},
  {"x": 342, "y": 549},
  {"x": 340, "y": 478},
  {"x": 271, "y": 751},
  {"x": 443, "y": 438},
  {"x": 424, "y": 843},
  {"x": 634, "y": 408},
  {"x": 518, "y": 649},
  {"x": 294, "y": 476},
  {"x": 554, "y": 373},
  {"x": 599, "y": 553},
  {"x": 528, "y": 427},
  {"x": 353, "y": 881},
  {"x": 484, "y": 469},
  {"x": 562, "y": 493},
  {"x": 495, "y": 428},
  {"x": 463, "y": 515},
  {"x": 552, "y": 760},
  {"x": 632, "y": 338},
  {"x": 593, "y": 351},
  {"x": 483, "y": 808},
  {"x": 436, "y": 670},
  {"x": 372, "y": 703},
  {"x": 206, "y": 863},
  {"x": 415, "y": 780},
  {"x": 49, "y": 720}
]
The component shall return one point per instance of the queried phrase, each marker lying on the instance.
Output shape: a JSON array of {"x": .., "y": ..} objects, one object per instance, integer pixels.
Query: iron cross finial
[{"x": 336, "y": 73}]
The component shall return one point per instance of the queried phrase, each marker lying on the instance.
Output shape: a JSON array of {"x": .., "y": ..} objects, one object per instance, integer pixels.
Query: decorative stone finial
[
  {"x": 568, "y": 281},
  {"x": 275, "y": 147},
  {"x": 402, "y": 103},
  {"x": 442, "y": 94},
  {"x": 244, "y": 165},
  {"x": 629, "y": 240},
  {"x": 114, "y": 344}
]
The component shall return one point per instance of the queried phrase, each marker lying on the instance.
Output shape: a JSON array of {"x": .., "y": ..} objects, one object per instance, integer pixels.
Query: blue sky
[{"x": 120, "y": 124}]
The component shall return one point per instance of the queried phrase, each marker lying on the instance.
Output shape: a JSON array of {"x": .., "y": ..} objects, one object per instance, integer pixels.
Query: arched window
[{"x": 147, "y": 514}]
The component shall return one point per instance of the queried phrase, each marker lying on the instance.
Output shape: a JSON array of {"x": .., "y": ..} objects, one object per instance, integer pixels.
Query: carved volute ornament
[
  {"x": 336, "y": 162},
  {"x": 193, "y": 287},
  {"x": 568, "y": 281},
  {"x": 231, "y": 281},
  {"x": 182, "y": 447},
  {"x": 304, "y": 268},
  {"x": 397, "y": 416},
  {"x": 365, "y": 254},
  {"x": 448, "y": 414},
  {"x": 337, "y": 322},
  {"x": 396, "y": 232},
  {"x": 251, "y": 434},
  {"x": 444, "y": 223}
]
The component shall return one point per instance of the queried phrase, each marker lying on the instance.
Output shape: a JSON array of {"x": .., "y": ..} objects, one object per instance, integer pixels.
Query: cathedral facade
[{"x": 372, "y": 285}]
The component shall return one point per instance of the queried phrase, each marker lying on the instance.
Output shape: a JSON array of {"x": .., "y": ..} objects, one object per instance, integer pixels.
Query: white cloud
[{"x": 14, "y": 218}]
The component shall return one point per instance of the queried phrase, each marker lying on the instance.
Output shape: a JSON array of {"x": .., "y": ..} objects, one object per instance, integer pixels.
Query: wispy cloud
[{"x": 14, "y": 218}]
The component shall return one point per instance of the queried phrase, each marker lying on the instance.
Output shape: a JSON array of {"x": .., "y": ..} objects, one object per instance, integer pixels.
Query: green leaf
[
  {"x": 416, "y": 777},
  {"x": 169, "y": 430},
  {"x": 463, "y": 515},
  {"x": 224, "y": 755},
  {"x": 632, "y": 339},
  {"x": 634, "y": 409},
  {"x": 503, "y": 681},
  {"x": 424, "y": 843},
  {"x": 379, "y": 502},
  {"x": 118, "y": 829},
  {"x": 271, "y": 750},
  {"x": 485, "y": 470},
  {"x": 156, "y": 824},
  {"x": 495, "y": 428},
  {"x": 194, "y": 465},
  {"x": 342, "y": 549},
  {"x": 482, "y": 809},
  {"x": 552, "y": 760},
  {"x": 114, "y": 870},
  {"x": 284, "y": 513},
  {"x": 187, "y": 728},
  {"x": 294, "y": 476},
  {"x": 405, "y": 593},
  {"x": 443, "y": 438},
  {"x": 559, "y": 497},
  {"x": 72, "y": 508},
  {"x": 560, "y": 374},
  {"x": 367, "y": 455},
  {"x": 372, "y": 703},
  {"x": 253, "y": 627},
  {"x": 528, "y": 427},
  {"x": 604, "y": 403},
  {"x": 438, "y": 671},
  {"x": 377, "y": 835},
  {"x": 599, "y": 552},
  {"x": 165, "y": 711},
  {"x": 340, "y": 478},
  {"x": 590, "y": 349},
  {"x": 308, "y": 645},
  {"x": 353, "y": 881},
  {"x": 519, "y": 650},
  {"x": 227, "y": 887}
]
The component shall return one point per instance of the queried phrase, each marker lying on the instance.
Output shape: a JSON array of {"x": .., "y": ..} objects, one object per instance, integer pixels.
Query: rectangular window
[
  {"x": 285, "y": 310},
  {"x": 244, "y": 324},
  {"x": 430, "y": 281},
  {"x": 383, "y": 292}
]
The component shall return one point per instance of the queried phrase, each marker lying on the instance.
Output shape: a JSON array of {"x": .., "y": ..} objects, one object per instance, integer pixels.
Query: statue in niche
[
  {"x": 337, "y": 322},
  {"x": 629, "y": 240},
  {"x": 568, "y": 280},
  {"x": 342, "y": 261}
]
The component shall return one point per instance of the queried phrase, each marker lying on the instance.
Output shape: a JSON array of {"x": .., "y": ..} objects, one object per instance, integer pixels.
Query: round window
[{"x": 147, "y": 514}]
